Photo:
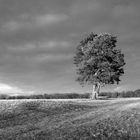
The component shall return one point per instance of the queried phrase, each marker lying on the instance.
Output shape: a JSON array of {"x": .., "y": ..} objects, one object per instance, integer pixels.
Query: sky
[{"x": 38, "y": 39}]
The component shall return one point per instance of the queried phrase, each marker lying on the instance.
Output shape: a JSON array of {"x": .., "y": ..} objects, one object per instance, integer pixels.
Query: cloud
[
  {"x": 125, "y": 11},
  {"x": 84, "y": 7},
  {"x": 53, "y": 58},
  {"x": 38, "y": 39},
  {"x": 12, "y": 26},
  {"x": 49, "y": 19},
  {"x": 21, "y": 48},
  {"x": 5, "y": 88},
  {"x": 122, "y": 88},
  {"x": 36, "y": 21},
  {"x": 54, "y": 44},
  {"x": 39, "y": 48}
]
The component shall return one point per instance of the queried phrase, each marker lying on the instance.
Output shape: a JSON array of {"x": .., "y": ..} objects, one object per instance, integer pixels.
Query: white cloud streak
[
  {"x": 121, "y": 88},
  {"x": 44, "y": 45},
  {"x": 12, "y": 90},
  {"x": 53, "y": 57},
  {"x": 4, "y": 88},
  {"x": 49, "y": 19},
  {"x": 33, "y": 22}
]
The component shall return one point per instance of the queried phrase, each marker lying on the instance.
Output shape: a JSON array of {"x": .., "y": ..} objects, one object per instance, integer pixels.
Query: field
[{"x": 77, "y": 119}]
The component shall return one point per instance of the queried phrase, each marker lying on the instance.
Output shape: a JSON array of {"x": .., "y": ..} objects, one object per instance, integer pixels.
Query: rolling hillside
[{"x": 79, "y": 119}]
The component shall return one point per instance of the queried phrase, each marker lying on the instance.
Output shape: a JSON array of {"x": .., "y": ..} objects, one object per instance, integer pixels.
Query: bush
[
  {"x": 4, "y": 96},
  {"x": 48, "y": 96},
  {"x": 123, "y": 94}
]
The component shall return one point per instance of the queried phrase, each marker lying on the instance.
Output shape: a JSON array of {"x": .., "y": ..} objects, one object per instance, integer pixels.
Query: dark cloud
[{"x": 38, "y": 40}]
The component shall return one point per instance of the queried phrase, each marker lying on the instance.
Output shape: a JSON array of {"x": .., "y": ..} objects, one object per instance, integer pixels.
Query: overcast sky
[{"x": 38, "y": 39}]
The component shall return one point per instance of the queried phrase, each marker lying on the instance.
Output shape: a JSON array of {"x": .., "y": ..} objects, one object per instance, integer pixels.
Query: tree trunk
[{"x": 95, "y": 91}]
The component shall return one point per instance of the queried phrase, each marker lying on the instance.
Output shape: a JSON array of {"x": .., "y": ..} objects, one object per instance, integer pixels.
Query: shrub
[
  {"x": 123, "y": 94},
  {"x": 4, "y": 96}
]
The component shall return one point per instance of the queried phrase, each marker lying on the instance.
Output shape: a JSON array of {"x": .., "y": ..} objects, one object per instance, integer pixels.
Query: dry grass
[{"x": 81, "y": 119}]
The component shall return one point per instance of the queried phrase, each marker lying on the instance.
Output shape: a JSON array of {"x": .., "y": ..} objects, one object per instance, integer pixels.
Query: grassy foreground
[{"x": 82, "y": 119}]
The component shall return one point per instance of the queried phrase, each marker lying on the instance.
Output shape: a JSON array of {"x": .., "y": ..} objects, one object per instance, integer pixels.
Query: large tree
[{"x": 98, "y": 61}]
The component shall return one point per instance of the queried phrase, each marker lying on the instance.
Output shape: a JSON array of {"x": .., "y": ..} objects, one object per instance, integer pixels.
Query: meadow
[{"x": 70, "y": 119}]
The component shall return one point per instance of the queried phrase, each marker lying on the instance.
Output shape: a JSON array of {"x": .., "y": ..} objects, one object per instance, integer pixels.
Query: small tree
[{"x": 98, "y": 61}]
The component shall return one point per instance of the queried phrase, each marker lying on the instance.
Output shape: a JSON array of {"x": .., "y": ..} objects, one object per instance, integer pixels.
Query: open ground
[{"x": 72, "y": 119}]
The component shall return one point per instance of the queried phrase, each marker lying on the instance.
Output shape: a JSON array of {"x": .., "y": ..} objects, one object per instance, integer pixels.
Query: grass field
[{"x": 77, "y": 119}]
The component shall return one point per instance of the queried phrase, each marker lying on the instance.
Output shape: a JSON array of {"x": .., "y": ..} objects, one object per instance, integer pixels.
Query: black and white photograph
[{"x": 69, "y": 69}]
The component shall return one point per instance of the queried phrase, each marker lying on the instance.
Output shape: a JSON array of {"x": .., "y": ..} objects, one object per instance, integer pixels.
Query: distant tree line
[
  {"x": 123, "y": 94},
  {"x": 47, "y": 96}
]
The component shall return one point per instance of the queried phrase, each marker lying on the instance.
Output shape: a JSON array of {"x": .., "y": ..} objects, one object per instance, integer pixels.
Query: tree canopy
[{"x": 98, "y": 60}]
